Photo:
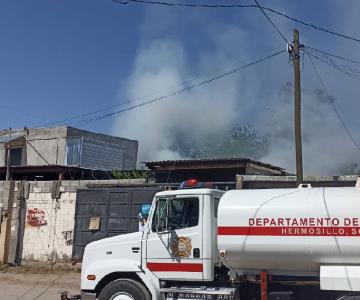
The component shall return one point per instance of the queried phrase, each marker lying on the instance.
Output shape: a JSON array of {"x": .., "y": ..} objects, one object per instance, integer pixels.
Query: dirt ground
[{"x": 28, "y": 284}]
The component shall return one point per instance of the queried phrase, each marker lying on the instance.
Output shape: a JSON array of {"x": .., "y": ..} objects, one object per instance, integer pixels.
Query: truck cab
[{"x": 178, "y": 244}]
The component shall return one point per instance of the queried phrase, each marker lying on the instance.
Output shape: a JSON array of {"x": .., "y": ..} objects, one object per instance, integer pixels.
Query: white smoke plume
[
  {"x": 196, "y": 114},
  {"x": 327, "y": 149},
  {"x": 163, "y": 62}
]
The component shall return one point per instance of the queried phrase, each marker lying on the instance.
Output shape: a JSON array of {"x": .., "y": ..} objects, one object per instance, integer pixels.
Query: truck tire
[{"x": 124, "y": 289}]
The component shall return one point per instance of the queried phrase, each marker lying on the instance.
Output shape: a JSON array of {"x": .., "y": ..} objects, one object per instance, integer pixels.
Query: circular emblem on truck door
[{"x": 181, "y": 246}]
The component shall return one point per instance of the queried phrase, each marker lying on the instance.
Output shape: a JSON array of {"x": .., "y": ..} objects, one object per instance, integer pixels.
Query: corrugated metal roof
[
  {"x": 212, "y": 160},
  {"x": 52, "y": 172},
  {"x": 45, "y": 168}
]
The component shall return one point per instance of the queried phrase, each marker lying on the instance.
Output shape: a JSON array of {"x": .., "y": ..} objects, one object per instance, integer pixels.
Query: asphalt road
[{"x": 30, "y": 286}]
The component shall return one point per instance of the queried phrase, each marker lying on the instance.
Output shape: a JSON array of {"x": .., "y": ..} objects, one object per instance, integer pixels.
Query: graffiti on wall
[
  {"x": 68, "y": 236},
  {"x": 36, "y": 217}
]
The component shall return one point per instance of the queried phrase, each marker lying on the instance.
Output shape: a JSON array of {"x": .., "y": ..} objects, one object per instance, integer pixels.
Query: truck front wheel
[{"x": 124, "y": 289}]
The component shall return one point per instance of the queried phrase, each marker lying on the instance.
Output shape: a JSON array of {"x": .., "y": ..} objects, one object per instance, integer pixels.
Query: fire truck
[{"x": 202, "y": 243}]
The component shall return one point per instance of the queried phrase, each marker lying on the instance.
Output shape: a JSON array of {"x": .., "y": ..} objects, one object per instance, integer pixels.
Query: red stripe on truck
[
  {"x": 174, "y": 267},
  {"x": 289, "y": 231}
]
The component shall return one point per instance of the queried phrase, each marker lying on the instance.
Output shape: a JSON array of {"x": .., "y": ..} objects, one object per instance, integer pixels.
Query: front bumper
[{"x": 88, "y": 296}]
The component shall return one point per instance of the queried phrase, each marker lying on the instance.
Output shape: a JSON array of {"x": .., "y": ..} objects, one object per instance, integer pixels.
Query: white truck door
[{"x": 174, "y": 239}]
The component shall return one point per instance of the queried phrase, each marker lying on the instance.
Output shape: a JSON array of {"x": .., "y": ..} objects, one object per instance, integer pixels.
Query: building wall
[
  {"x": 49, "y": 223},
  {"x": 130, "y": 146},
  {"x": 50, "y": 143},
  {"x": 2, "y": 155},
  {"x": 53, "y": 151}
]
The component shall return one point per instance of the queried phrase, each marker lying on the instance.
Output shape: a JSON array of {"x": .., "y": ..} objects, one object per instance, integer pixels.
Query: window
[
  {"x": 216, "y": 206},
  {"x": 15, "y": 156},
  {"x": 175, "y": 213},
  {"x": 159, "y": 219},
  {"x": 73, "y": 152}
]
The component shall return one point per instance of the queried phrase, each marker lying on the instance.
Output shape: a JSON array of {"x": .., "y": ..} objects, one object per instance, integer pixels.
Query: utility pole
[
  {"x": 295, "y": 51},
  {"x": 8, "y": 200},
  {"x": 8, "y": 153}
]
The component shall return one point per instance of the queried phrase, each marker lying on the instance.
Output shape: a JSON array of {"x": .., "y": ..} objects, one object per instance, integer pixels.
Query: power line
[
  {"x": 333, "y": 105},
  {"x": 342, "y": 68},
  {"x": 329, "y": 59},
  {"x": 272, "y": 23},
  {"x": 316, "y": 27},
  {"x": 165, "y": 3},
  {"x": 68, "y": 120},
  {"x": 332, "y": 55},
  {"x": 72, "y": 120},
  {"x": 276, "y": 12},
  {"x": 202, "y": 83},
  {"x": 23, "y": 112}
]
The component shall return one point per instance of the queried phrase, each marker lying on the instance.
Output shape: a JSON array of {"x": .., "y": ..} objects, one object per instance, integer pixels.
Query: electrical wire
[
  {"x": 74, "y": 119},
  {"x": 165, "y": 3},
  {"x": 271, "y": 10},
  {"x": 330, "y": 100},
  {"x": 316, "y": 27},
  {"x": 341, "y": 68},
  {"x": 188, "y": 88},
  {"x": 332, "y": 60},
  {"x": 332, "y": 54},
  {"x": 70, "y": 120},
  {"x": 272, "y": 23}
]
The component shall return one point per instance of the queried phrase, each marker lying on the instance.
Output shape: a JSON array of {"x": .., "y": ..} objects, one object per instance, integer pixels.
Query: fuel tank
[{"x": 290, "y": 231}]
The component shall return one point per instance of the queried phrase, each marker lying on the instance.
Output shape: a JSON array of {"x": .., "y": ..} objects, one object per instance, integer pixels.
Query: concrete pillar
[
  {"x": 18, "y": 222},
  {"x": 239, "y": 182},
  {"x": 5, "y": 226}
]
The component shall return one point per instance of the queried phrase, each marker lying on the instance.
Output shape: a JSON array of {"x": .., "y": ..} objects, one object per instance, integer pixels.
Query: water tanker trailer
[{"x": 202, "y": 243}]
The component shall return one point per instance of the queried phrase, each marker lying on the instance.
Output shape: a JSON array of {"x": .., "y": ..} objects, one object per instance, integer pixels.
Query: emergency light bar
[{"x": 194, "y": 184}]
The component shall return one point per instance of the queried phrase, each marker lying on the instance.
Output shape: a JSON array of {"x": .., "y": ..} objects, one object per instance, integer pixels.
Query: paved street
[{"x": 29, "y": 286}]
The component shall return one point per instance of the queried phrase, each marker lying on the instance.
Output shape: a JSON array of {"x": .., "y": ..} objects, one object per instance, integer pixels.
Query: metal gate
[{"x": 115, "y": 209}]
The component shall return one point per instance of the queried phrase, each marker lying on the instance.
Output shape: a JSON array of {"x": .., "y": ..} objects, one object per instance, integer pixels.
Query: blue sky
[
  {"x": 60, "y": 58},
  {"x": 63, "y": 58}
]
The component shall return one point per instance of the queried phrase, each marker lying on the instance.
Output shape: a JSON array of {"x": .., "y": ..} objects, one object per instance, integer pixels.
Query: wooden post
[
  {"x": 264, "y": 285},
  {"x": 5, "y": 230},
  {"x": 297, "y": 94},
  {"x": 8, "y": 156}
]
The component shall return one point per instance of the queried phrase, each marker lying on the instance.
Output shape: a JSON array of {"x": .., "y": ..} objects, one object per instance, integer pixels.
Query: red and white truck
[{"x": 301, "y": 243}]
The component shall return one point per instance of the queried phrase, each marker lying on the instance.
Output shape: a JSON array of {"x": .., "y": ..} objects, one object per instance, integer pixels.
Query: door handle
[{"x": 196, "y": 253}]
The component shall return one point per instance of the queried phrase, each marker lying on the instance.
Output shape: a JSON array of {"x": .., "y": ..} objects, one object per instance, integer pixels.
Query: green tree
[
  {"x": 131, "y": 174},
  {"x": 240, "y": 141}
]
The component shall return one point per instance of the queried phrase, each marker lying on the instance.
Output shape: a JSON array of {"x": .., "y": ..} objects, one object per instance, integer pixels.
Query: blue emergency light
[{"x": 145, "y": 210}]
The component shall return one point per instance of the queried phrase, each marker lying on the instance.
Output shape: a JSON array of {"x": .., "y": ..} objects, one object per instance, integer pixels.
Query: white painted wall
[{"x": 54, "y": 235}]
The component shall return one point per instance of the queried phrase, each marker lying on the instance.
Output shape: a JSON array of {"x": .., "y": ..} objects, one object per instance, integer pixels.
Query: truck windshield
[{"x": 175, "y": 213}]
